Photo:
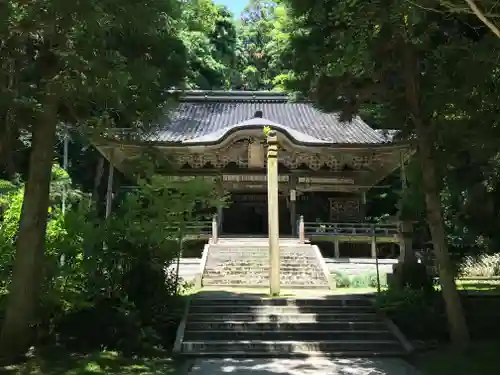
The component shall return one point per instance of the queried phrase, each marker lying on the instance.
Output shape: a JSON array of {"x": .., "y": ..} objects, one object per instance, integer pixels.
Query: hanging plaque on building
[
  {"x": 251, "y": 178},
  {"x": 342, "y": 209}
]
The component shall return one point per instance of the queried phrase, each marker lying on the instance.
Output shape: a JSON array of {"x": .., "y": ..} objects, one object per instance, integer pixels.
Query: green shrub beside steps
[{"x": 364, "y": 280}]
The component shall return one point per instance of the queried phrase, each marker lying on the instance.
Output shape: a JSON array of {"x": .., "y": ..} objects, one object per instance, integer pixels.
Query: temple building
[{"x": 325, "y": 166}]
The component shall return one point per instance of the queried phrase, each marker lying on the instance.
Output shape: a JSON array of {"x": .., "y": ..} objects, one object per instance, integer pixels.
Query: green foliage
[
  {"x": 350, "y": 57},
  {"x": 483, "y": 265},
  {"x": 117, "y": 295},
  {"x": 263, "y": 32},
  {"x": 416, "y": 313},
  {"x": 101, "y": 61},
  {"x": 365, "y": 280},
  {"x": 414, "y": 276}
]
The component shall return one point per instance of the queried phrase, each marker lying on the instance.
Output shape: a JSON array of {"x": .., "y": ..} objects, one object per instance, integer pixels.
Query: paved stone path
[{"x": 303, "y": 366}]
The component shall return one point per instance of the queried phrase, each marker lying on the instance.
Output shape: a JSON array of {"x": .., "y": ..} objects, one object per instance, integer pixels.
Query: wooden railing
[
  {"x": 203, "y": 227},
  {"x": 347, "y": 229}
]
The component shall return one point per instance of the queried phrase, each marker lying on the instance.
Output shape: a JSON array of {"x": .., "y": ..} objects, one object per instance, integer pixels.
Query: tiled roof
[{"x": 206, "y": 116}]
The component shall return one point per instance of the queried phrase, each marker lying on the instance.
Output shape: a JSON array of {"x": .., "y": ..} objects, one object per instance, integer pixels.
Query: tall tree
[
  {"x": 256, "y": 27},
  {"x": 90, "y": 65},
  {"x": 209, "y": 35},
  {"x": 406, "y": 64}
]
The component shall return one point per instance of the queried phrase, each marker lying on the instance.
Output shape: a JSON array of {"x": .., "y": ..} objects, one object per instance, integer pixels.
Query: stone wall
[
  {"x": 359, "y": 266},
  {"x": 188, "y": 268}
]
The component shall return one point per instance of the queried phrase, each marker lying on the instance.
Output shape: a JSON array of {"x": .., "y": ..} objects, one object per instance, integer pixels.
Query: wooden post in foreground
[{"x": 273, "y": 213}]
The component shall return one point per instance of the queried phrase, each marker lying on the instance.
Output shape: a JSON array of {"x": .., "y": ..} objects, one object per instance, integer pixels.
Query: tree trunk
[
  {"x": 97, "y": 180},
  {"x": 8, "y": 139},
  {"x": 8, "y": 134},
  {"x": 27, "y": 275},
  {"x": 459, "y": 332},
  {"x": 456, "y": 319}
]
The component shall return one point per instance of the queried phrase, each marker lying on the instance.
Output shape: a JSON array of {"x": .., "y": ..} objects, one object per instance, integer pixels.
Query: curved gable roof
[
  {"x": 208, "y": 116},
  {"x": 258, "y": 122}
]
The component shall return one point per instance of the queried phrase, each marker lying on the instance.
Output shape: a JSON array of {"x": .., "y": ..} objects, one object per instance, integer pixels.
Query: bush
[
  {"x": 119, "y": 296},
  {"x": 367, "y": 280},
  {"x": 412, "y": 275},
  {"x": 341, "y": 280},
  {"x": 483, "y": 265},
  {"x": 415, "y": 312}
]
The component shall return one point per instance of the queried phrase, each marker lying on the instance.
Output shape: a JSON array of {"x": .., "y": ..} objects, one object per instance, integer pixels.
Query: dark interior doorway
[
  {"x": 245, "y": 218},
  {"x": 248, "y": 215}
]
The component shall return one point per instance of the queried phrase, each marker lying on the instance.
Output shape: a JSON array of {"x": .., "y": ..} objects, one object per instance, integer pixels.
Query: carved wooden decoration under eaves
[{"x": 251, "y": 153}]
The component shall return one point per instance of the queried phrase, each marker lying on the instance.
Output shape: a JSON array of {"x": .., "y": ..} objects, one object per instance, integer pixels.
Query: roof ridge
[{"x": 236, "y": 96}]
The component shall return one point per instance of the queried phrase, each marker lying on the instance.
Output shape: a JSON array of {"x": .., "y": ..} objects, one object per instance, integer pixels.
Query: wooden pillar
[
  {"x": 336, "y": 247},
  {"x": 374, "y": 245},
  {"x": 215, "y": 230},
  {"x": 220, "y": 216},
  {"x": 363, "y": 206},
  {"x": 293, "y": 211},
  {"x": 273, "y": 213},
  {"x": 220, "y": 207},
  {"x": 302, "y": 234}
]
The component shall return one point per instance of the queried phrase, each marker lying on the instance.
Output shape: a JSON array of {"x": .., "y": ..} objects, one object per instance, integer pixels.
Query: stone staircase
[
  {"x": 245, "y": 263},
  {"x": 245, "y": 325}
]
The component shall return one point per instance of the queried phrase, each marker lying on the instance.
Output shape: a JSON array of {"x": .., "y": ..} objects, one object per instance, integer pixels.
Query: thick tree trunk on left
[{"x": 28, "y": 264}]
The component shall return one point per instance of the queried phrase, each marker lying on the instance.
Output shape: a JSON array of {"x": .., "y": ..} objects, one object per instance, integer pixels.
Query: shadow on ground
[{"x": 303, "y": 366}]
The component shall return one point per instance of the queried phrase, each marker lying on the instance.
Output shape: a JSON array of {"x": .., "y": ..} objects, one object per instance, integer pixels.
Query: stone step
[
  {"x": 322, "y": 317},
  {"x": 274, "y": 348},
  {"x": 315, "y": 287},
  {"x": 258, "y": 245},
  {"x": 231, "y": 301},
  {"x": 250, "y": 249},
  {"x": 287, "y": 335},
  {"x": 259, "y": 264},
  {"x": 284, "y": 274},
  {"x": 259, "y": 257},
  {"x": 264, "y": 282},
  {"x": 243, "y": 252},
  {"x": 221, "y": 309},
  {"x": 292, "y": 267},
  {"x": 263, "y": 275},
  {"x": 239, "y": 326},
  {"x": 285, "y": 277}
]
